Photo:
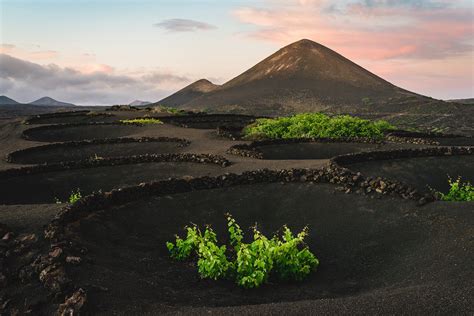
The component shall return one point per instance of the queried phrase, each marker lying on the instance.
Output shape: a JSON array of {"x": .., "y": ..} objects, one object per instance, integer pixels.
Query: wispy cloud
[
  {"x": 35, "y": 54},
  {"x": 24, "y": 80},
  {"x": 6, "y": 48},
  {"x": 184, "y": 25}
]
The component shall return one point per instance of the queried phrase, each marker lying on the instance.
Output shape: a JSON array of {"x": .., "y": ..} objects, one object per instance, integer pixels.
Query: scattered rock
[
  {"x": 73, "y": 260},
  {"x": 54, "y": 278},
  {"x": 73, "y": 304}
]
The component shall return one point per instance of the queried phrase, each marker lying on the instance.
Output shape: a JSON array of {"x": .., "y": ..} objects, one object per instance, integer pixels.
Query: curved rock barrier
[
  {"x": 83, "y": 116},
  {"x": 252, "y": 150},
  {"x": 39, "y": 133},
  {"x": 331, "y": 174},
  {"x": 412, "y": 134},
  {"x": 434, "y": 179},
  {"x": 348, "y": 159},
  {"x": 437, "y": 139},
  {"x": 58, "y": 114},
  {"x": 427, "y": 169},
  {"x": 48, "y": 184},
  {"x": 15, "y": 157},
  {"x": 115, "y": 161}
]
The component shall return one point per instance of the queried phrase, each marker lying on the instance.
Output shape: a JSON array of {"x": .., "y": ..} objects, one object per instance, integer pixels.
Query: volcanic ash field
[{"x": 384, "y": 243}]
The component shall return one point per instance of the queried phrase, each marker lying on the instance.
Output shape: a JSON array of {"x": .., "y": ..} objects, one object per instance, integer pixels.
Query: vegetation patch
[
  {"x": 284, "y": 257},
  {"x": 142, "y": 121},
  {"x": 458, "y": 191},
  {"x": 316, "y": 125},
  {"x": 167, "y": 109},
  {"x": 73, "y": 197}
]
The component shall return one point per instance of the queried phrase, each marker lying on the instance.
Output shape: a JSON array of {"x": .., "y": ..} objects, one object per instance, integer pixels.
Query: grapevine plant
[
  {"x": 73, "y": 197},
  {"x": 458, "y": 191},
  {"x": 285, "y": 257}
]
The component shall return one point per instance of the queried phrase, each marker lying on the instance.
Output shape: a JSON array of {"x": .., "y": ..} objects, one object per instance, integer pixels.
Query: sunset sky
[{"x": 109, "y": 52}]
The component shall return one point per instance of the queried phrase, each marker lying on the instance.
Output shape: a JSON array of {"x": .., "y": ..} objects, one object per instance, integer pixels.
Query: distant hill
[
  {"x": 139, "y": 103},
  {"x": 188, "y": 93},
  {"x": 4, "y": 100},
  {"x": 47, "y": 101},
  {"x": 463, "y": 101},
  {"x": 303, "y": 76}
]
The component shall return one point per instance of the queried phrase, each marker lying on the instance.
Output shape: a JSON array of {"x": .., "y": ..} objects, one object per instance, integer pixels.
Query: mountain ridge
[
  {"x": 4, "y": 100},
  {"x": 48, "y": 101},
  {"x": 188, "y": 93},
  {"x": 139, "y": 103},
  {"x": 302, "y": 76}
]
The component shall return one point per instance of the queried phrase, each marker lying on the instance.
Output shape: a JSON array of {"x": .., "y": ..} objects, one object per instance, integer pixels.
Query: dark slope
[
  {"x": 463, "y": 101},
  {"x": 139, "y": 103},
  {"x": 301, "y": 76},
  {"x": 188, "y": 93},
  {"x": 4, "y": 100},
  {"x": 47, "y": 101}
]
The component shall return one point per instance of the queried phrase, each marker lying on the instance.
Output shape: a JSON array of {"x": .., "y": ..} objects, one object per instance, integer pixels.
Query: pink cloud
[
  {"x": 96, "y": 68},
  {"x": 409, "y": 33},
  {"x": 41, "y": 55},
  {"x": 426, "y": 41},
  {"x": 38, "y": 55},
  {"x": 6, "y": 48}
]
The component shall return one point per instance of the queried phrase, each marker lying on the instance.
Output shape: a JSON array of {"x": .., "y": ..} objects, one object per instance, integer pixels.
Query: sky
[{"x": 113, "y": 52}]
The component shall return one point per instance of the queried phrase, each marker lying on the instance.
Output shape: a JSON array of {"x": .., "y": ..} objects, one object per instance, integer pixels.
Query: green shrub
[
  {"x": 73, "y": 197},
  {"x": 254, "y": 261},
  {"x": 249, "y": 264},
  {"x": 212, "y": 263},
  {"x": 182, "y": 248},
  {"x": 309, "y": 125},
  {"x": 167, "y": 109},
  {"x": 458, "y": 191},
  {"x": 142, "y": 121},
  {"x": 291, "y": 263}
]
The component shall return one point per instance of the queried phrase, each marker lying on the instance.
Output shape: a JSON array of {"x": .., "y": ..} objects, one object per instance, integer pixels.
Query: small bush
[
  {"x": 458, "y": 191},
  {"x": 317, "y": 125},
  {"x": 167, "y": 109},
  {"x": 249, "y": 264},
  {"x": 73, "y": 197},
  {"x": 142, "y": 121}
]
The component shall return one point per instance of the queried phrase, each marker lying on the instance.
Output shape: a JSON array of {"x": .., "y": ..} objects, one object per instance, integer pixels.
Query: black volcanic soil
[
  {"x": 211, "y": 121},
  {"x": 368, "y": 249},
  {"x": 319, "y": 150},
  {"x": 28, "y": 218},
  {"x": 379, "y": 254},
  {"x": 45, "y": 187},
  {"x": 421, "y": 172},
  {"x": 455, "y": 141},
  {"x": 87, "y": 151},
  {"x": 55, "y": 133}
]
